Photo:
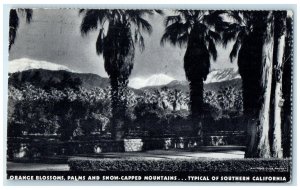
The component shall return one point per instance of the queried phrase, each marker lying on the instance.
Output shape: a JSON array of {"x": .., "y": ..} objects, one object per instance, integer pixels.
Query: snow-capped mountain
[
  {"x": 154, "y": 80},
  {"x": 221, "y": 75},
  {"x": 24, "y": 64}
]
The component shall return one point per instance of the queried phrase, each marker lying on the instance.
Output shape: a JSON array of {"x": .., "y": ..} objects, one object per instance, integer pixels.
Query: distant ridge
[
  {"x": 44, "y": 74},
  {"x": 45, "y": 78}
]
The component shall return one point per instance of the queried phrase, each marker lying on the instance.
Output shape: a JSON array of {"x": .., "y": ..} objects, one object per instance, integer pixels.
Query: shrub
[{"x": 212, "y": 165}]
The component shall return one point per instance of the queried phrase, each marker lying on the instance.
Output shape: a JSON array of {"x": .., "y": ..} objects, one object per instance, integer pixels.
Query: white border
[{"x": 210, "y": 4}]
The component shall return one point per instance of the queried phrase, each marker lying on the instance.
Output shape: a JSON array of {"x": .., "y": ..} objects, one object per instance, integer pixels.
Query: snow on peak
[
  {"x": 153, "y": 80},
  {"x": 220, "y": 75},
  {"x": 24, "y": 64}
]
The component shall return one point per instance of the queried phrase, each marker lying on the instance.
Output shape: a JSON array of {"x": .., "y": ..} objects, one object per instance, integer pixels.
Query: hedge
[{"x": 199, "y": 164}]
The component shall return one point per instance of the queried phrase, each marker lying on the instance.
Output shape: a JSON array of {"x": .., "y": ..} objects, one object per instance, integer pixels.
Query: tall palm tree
[
  {"x": 248, "y": 31},
  {"x": 14, "y": 23},
  {"x": 200, "y": 31},
  {"x": 260, "y": 36},
  {"x": 119, "y": 31}
]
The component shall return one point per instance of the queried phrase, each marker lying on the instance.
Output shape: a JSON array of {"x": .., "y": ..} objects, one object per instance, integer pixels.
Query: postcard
[{"x": 150, "y": 95}]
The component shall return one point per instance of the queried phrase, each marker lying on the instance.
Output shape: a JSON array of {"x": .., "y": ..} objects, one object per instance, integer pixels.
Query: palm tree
[
  {"x": 260, "y": 36},
  {"x": 200, "y": 30},
  {"x": 119, "y": 30},
  {"x": 247, "y": 31},
  {"x": 14, "y": 23}
]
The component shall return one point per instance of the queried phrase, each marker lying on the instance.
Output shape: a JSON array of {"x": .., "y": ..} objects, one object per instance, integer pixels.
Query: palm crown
[
  {"x": 124, "y": 30},
  {"x": 244, "y": 23},
  {"x": 247, "y": 31},
  {"x": 200, "y": 29}
]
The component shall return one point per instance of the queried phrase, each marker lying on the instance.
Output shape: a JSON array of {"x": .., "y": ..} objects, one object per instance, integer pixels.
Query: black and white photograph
[{"x": 150, "y": 95}]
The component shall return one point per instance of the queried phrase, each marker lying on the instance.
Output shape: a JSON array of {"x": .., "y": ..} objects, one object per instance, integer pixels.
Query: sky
[{"x": 54, "y": 36}]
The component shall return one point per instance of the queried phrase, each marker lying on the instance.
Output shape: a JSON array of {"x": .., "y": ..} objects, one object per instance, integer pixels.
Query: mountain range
[
  {"x": 41, "y": 73},
  {"x": 24, "y": 64}
]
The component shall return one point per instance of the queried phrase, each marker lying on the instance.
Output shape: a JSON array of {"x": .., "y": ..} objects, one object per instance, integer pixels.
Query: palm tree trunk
[
  {"x": 251, "y": 137},
  {"x": 117, "y": 112},
  {"x": 263, "y": 149},
  {"x": 276, "y": 145},
  {"x": 119, "y": 56},
  {"x": 196, "y": 101}
]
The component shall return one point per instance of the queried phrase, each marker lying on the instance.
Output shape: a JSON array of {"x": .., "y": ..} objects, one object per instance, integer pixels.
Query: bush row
[{"x": 139, "y": 164}]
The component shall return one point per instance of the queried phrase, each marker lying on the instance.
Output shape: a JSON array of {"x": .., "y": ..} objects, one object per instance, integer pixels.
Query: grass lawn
[{"x": 12, "y": 166}]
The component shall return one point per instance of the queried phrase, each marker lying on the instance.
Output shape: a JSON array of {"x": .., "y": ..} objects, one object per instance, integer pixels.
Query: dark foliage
[
  {"x": 46, "y": 79},
  {"x": 179, "y": 165},
  {"x": 87, "y": 111}
]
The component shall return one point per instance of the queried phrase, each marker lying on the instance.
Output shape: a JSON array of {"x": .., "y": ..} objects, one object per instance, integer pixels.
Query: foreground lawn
[{"x": 12, "y": 166}]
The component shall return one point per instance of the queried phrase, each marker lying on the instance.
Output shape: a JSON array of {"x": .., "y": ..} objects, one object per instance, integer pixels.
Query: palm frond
[
  {"x": 183, "y": 39},
  {"x": 139, "y": 39},
  {"x": 160, "y": 12},
  {"x": 173, "y": 32},
  {"x": 135, "y": 36},
  {"x": 201, "y": 28},
  {"x": 143, "y": 12},
  {"x": 171, "y": 19},
  {"x": 89, "y": 22},
  {"x": 81, "y": 11},
  {"x": 14, "y": 22},
  {"x": 236, "y": 15},
  {"x": 247, "y": 15},
  {"x": 142, "y": 24},
  {"x": 235, "y": 49},
  {"x": 100, "y": 42},
  {"x": 186, "y": 14},
  {"x": 141, "y": 43},
  {"x": 231, "y": 32},
  {"x": 27, "y": 12},
  {"x": 215, "y": 20},
  {"x": 13, "y": 19},
  {"x": 215, "y": 36},
  {"x": 217, "y": 12},
  {"x": 13, "y": 26},
  {"x": 212, "y": 49}
]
